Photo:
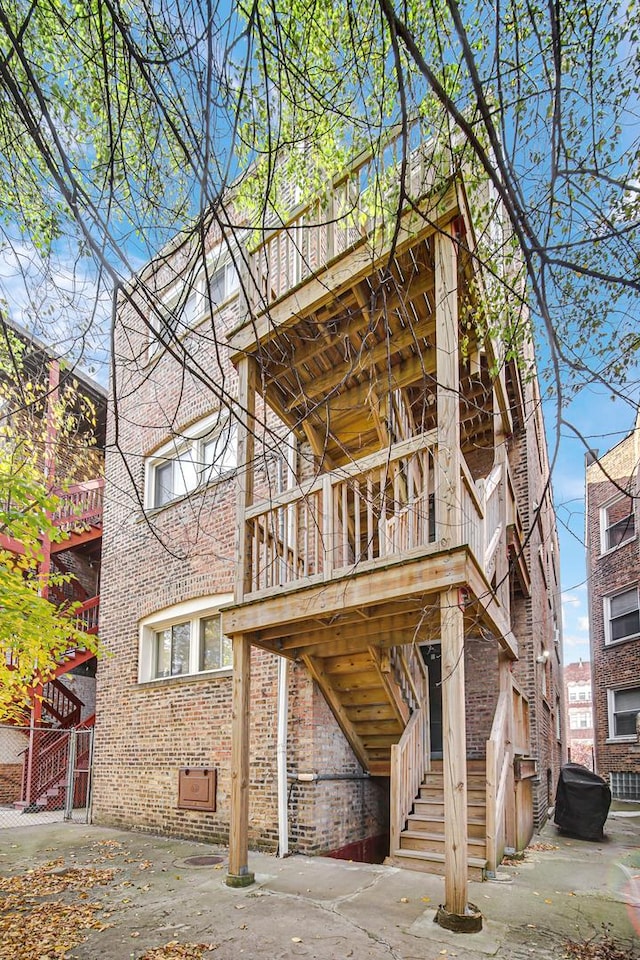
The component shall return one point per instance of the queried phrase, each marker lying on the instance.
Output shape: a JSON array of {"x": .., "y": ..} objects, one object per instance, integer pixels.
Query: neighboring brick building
[
  {"x": 337, "y": 684},
  {"x": 579, "y": 706},
  {"x": 613, "y": 569},
  {"x": 55, "y": 418}
]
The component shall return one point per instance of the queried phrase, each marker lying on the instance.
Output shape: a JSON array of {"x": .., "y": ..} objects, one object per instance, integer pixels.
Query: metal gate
[{"x": 45, "y": 774}]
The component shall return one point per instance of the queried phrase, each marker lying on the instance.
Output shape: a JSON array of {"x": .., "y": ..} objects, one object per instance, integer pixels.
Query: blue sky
[{"x": 603, "y": 422}]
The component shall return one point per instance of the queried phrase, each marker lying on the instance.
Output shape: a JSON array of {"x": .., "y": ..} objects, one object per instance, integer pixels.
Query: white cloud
[{"x": 571, "y": 600}]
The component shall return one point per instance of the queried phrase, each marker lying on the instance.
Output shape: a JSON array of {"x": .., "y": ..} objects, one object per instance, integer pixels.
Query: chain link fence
[{"x": 45, "y": 774}]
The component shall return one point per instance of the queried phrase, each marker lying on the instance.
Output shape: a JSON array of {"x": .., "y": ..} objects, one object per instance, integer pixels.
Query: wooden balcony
[{"x": 369, "y": 523}]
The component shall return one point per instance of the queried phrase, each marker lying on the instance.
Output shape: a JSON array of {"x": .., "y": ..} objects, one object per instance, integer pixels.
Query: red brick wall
[
  {"x": 617, "y": 665},
  {"x": 10, "y": 783},
  {"x": 145, "y": 732},
  {"x": 533, "y": 622}
]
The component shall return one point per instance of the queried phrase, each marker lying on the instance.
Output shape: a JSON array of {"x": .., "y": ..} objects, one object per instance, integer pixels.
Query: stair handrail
[
  {"x": 411, "y": 755},
  {"x": 51, "y": 766},
  {"x": 53, "y": 692},
  {"x": 499, "y": 761}
]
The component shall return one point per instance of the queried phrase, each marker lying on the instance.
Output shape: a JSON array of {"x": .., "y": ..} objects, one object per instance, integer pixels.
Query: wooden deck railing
[
  {"x": 509, "y": 736},
  {"x": 350, "y": 209},
  {"x": 372, "y": 509},
  {"x": 410, "y": 756},
  {"x": 81, "y": 503},
  {"x": 380, "y": 507},
  {"x": 499, "y": 762}
]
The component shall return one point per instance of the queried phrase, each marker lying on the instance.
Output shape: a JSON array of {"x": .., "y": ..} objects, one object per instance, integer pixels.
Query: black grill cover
[{"x": 582, "y": 802}]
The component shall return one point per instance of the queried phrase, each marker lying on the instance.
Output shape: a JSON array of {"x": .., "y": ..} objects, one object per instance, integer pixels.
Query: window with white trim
[
  {"x": 191, "y": 299},
  {"x": 204, "y": 452},
  {"x": 579, "y": 691},
  {"x": 184, "y": 640},
  {"x": 622, "y": 616},
  {"x": 624, "y": 705},
  {"x": 580, "y": 719},
  {"x": 617, "y": 523}
]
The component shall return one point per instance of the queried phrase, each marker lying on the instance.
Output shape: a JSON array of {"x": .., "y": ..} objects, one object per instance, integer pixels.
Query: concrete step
[
  {"x": 434, "y": 843},
  {"x": 433, "y": 863}
]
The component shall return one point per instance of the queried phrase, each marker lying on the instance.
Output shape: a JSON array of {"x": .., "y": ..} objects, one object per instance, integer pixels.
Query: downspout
[{"x": 281, "y": 755}]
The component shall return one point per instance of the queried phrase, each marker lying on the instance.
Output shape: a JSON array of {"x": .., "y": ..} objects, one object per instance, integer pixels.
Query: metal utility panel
[{"x": 197, "y": 788}]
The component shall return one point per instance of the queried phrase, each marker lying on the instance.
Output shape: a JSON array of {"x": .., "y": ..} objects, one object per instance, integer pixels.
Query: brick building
[
  {"x": 329, "y": 557},
  {"x": 55, "y": 418},
  {"x": 579, "y": 713},
  {"x": 613, "y": 568}
]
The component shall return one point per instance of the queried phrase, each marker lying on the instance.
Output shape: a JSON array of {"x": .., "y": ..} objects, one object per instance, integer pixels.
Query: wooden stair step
[
  {"x": 365, "y": 680},
  {"x": 476, "y": 826},
  {"x": 347, "y": 663},
  {"x": 380, "y": 768},
  {"x": 372, "y": 713},
  {"x": 436, "y": 777},
  {"x": 378, "y": 741},
  {"x": 367, "y": 729},
  {"x": 435, "y": 807},
  {"x": 433, "y": 862},
  {"x": 365, "y": 696},
  {"x": 421, "y": 840},
  {"x": 431, "y": 792},
  {"x": 473, "y": 763}
]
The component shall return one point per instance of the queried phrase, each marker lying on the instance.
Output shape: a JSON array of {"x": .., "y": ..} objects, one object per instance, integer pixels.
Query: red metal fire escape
[{"x": 55, "y": 708}]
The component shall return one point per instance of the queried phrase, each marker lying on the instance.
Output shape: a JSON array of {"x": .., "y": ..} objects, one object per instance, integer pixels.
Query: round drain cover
[{"x": 202, "y": 861}]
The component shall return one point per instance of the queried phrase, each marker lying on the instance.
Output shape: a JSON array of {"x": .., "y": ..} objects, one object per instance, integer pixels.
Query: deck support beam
[
  {"x": 239, "y": 874},
  {"x": 456, "y": 913}
]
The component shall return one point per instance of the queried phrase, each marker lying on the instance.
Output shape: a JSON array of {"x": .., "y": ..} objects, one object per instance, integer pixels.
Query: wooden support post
[
  {"x": 454, "y": 740},
  {"x": 239, "y": 875},
  {"x": 244, "y": 499},
  {"x": 506, "y": 683},
  {"x": 447, "y": 492},
  {"x": 456, "y": 913}
]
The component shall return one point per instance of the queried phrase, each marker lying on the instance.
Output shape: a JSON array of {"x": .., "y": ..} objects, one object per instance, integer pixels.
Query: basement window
[{"x": 185, "y": 640}]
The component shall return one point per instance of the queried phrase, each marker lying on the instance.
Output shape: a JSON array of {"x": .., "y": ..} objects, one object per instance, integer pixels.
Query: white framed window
[
  {"x": 580, "y": 719},
  {"x": 192, "y": 298},
  {"x": 579, "y": 691},
  {"x": 204, "y": 452},
  {"x": 184, "y": 640},
  {"x": 622, "y": 616},
  {"x": 617, "y": 523},
  {"x": 624, "y": 705}
]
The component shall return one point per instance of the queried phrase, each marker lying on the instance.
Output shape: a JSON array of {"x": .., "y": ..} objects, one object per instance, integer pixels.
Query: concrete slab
[
  {"x": 487, "y": 941},
  {"x": 322, "y": 909}
]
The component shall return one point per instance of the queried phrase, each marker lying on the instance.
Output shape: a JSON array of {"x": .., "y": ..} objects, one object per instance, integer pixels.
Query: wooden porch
[{"x": 395, "y": 522}]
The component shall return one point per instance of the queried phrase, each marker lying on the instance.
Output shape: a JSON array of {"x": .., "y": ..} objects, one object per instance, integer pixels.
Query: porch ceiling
[{"x": 335, "y": 373}]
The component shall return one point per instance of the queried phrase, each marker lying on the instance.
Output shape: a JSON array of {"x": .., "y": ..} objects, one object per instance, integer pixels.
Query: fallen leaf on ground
[{"x": 179, "y": 951}]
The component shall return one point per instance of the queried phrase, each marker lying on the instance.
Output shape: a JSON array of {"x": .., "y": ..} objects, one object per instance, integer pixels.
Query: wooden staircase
[
  {"x": 421, "y": 842},
  {"x": 370, "y": 694}
]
